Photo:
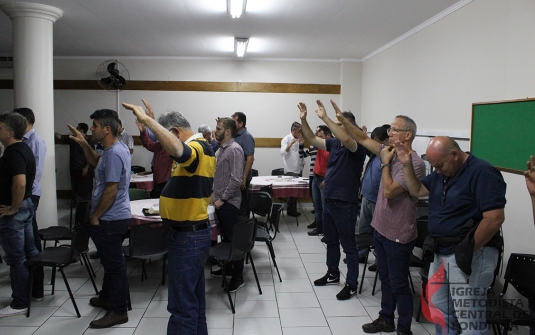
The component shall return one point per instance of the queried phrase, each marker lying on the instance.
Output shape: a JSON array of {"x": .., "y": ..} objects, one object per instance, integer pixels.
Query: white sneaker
[{"x": 8, "y": 311}]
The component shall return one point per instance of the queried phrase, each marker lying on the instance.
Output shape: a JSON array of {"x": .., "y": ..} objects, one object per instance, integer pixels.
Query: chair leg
[
  {"x": 70, "y": 292},
  {"x": 30, "y": 292},
  {"x": 272, "y": 253},
  {"x": 254, "y": 271},
  {"x": 364, "y": 271},
  {"x": 225, "y": 285},
  {"x": 164, "y": 261},
  {"x": 87, "y": 267},
  {"x": 375, "y": 281},
  {"x": 86, "y": 259},
  {"x": 53, "y": 281}
]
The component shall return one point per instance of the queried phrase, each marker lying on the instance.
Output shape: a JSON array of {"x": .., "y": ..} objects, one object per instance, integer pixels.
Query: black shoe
[
  {"x": 328, "y": 279},
  {"x": 323, "y": 240},
  {"x": 379, "y": 325},
  {"x": 372, "y": 267},
  {"x": 315, "y": 232},
  {"x": 312, "y": 225},
  {"x": 219, "y": 274},
  {"x": 296, "y": 214},
  {"x": 94, "y": 255},
  {"x": 362, "y": 260},
  {"x": 344, "y": 260},
  {"x": 109, "y": 320},
  {"x": 313, "y": 211},
  {"x": 235, "y": 284},
  {"x": 97, "y": 302},
  {"x": 346, "y": 293}
]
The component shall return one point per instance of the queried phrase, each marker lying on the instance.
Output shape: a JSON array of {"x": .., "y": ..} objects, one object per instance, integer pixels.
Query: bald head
[{"x": 445, "y": 155}]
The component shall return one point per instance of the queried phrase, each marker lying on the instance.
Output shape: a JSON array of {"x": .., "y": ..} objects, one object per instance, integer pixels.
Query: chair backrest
[
  {"x": 254, "y": 172},
  {"x": 520, "y": 273},
  {"x": 243, "y": 238},
  {"x": 277, "y": 172},
  {"x": 137, "y": 168},
  {"x": 276, "y": 211},
  {"x": 260, "y": 203},
  {"x": 138, "y": 194},
  {"x": 148, "y": 239}
]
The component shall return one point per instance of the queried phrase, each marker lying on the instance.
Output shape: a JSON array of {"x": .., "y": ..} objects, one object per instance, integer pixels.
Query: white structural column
[{"x": 34, "y": 87}]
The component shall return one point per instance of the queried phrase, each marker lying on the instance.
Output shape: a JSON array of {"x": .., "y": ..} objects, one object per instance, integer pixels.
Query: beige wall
[{"x": 482, "y": 52}]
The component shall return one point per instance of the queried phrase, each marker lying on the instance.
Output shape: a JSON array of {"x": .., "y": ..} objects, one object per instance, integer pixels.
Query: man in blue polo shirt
[
  {"x": 466, "y": 211},
  {"x": 110, "y": 213},
  {"x": 342, "y": 182}
]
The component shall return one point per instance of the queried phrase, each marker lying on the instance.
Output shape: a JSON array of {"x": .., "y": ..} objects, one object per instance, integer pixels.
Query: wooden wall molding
[{"x": 195, "y": 86}]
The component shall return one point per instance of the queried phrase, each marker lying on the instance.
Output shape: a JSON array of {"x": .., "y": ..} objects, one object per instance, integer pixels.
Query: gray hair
[
  {"x": 173, "y": 119},
  {"x": 204, "y": 129},
  {"x": 408, "y": 124}
]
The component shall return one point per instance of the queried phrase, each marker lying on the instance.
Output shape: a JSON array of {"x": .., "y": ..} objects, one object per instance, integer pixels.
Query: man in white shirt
[{"x": 293, "y": 158}]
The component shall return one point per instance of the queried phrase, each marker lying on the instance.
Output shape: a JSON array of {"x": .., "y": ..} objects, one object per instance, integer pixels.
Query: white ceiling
[{"x": 278, "y": 29}]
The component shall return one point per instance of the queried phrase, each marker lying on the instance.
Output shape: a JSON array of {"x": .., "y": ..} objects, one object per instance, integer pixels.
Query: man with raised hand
[
  {"x": 342, "y": 181},
  {"x": 394, "y": 221},
  {"x": 183, "y": 208},
  {"x": 466, "y": 211},
  {"x": 110, "y": 213}
]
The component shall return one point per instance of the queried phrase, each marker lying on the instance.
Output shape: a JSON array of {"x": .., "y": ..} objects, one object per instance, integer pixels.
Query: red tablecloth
[{"x": 283, "y": 186}]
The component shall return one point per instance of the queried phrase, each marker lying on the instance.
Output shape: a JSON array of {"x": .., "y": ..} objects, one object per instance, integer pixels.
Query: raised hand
[
  {"x": 387, "y": 154},
  {"x": 76, "y": 136},
  {"x": 148, "y": 108},
  {"x": 339, "y": 114},
  {"x": 530, "y": 175},
  {"x": 139, "y": 113},
  {"x": 402, "y": 153},
  {"x": 302, "y": 110},
  {"x": 320, "y": 112}
]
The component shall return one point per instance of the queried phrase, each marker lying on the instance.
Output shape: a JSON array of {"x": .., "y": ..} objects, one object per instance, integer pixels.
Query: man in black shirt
[
  {"x": 17, "y": 173},
  {"x": 81, "y": 171}
]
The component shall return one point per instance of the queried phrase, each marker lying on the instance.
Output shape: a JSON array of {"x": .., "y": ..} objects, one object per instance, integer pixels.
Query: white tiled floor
[{"x": 293, "y": 307}]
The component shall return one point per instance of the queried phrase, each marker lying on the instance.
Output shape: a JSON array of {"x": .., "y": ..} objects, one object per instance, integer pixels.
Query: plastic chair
[
  {"x": 138, "y": 194},
  {"x": 240, "y": 246},
  {"x": 263, "y": 235},
  {"x": 137, "y": 168},
  {"x": 59, "y": 233},
  {"x": 423, "y": 232},
  {"x": 148, "y": 241},
  {"x": 277, "y": 172},
  {"x": 364, "y": 241},
  {"x": 520, "y": 273},
  {"x": 61, "y": 257},
  {"x": 260, "y": 204}
]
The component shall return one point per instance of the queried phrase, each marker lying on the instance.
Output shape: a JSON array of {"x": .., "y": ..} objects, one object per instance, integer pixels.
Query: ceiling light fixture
[
  {"x": 241, "y": 46},
  {"x": 236, "y": 7}
]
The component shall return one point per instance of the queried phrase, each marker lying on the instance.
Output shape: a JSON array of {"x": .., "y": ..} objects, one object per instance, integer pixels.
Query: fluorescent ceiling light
[
  {"x": 236, "y": 7},
  {"x": 241, "y": 46}
]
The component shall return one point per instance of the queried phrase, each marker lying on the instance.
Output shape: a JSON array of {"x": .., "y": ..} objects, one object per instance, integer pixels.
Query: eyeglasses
[{"x": 395, "y": 130}]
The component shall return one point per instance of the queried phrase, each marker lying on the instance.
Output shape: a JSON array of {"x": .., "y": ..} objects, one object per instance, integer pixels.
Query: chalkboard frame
[{"x": 503, "y": 134}]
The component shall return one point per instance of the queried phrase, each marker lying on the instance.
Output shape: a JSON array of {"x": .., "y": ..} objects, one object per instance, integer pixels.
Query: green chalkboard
[{"x": 503, "y": 133}]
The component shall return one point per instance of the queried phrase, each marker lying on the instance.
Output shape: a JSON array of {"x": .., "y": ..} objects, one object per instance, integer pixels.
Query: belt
[{"x": 182, "y": 229}]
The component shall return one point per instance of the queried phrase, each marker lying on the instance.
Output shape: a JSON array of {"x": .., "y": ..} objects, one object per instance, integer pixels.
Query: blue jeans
[
  {"x": 108, "y": 237},
  {"x": 16, "y": 238},
  {"x": 462, "y": 299},
  {"x": 228, "y": 216},
  {"x": 339, "y": 220},
  {"x": 367, "y": 208},
  {"x": 393, "y": 259},
  {"x": 317, "y": 198},
  {"x": 188, "y": 253}
]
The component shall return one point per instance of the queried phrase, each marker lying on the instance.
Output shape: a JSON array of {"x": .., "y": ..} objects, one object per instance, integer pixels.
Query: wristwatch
[{"x": 384, "y": 165}]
